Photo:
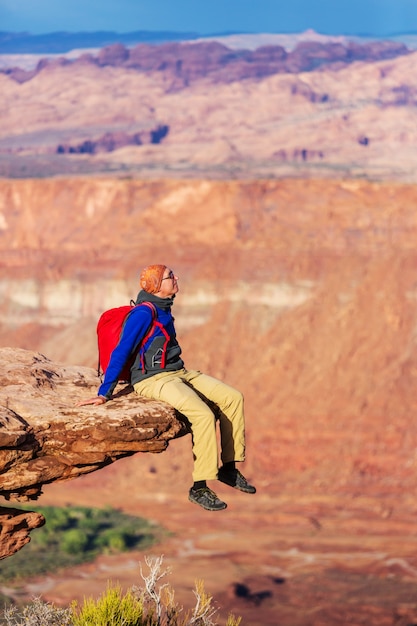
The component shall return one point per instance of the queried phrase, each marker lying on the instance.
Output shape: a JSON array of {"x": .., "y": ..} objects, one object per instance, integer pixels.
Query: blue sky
[{"x": 353, "y": 17}]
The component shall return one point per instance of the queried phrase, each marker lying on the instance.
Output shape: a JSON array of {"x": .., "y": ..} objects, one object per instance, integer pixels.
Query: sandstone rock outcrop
[
  {"x": 188, "y": 62},
  {"x": 187, "y": 115},
  {"x": 44, "y": 437},
  {"x": 15, "y": 526}
]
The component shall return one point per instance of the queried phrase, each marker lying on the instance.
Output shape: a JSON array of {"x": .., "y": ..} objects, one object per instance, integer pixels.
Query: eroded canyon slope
[
  {"x": 303, "y": 294},
  {"x": 308, "y": 288}
]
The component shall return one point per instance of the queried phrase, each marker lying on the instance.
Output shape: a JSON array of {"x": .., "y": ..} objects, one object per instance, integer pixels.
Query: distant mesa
[
  {"x": 188, "y": 62},
  {"x": 292, "y": 121}
]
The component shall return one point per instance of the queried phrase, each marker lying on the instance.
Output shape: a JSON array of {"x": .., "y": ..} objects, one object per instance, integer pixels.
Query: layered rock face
[{"x": 45, "y": 438}]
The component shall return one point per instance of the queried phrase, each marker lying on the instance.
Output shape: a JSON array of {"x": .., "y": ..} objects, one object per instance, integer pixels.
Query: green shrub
[
  {"x": 111, "y": 609},
  {"x": 114, "y": 540},
  {"x": 74, "y": 541},
  {"x": 74, "y": 535}
]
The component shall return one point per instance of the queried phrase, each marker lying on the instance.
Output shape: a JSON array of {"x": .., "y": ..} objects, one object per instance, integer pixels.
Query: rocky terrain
[
  {"x": 286, "y": 205},
  {"x": 185, "y": 63},
  {"x": 45, "y": 438},
  {"x": 205, "y": 110}
]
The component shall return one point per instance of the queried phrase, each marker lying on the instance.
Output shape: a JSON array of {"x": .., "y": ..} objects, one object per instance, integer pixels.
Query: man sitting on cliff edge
[{"x": 158, "y": 373}]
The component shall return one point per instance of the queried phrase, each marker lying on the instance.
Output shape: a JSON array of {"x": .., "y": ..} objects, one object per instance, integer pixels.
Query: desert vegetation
[
  {"x": 75, "y": 535},
  {"x": 150, "y": 604}
]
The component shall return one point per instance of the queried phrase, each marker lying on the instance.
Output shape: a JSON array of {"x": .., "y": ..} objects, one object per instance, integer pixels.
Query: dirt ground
[{"x": 292, "y": 558}]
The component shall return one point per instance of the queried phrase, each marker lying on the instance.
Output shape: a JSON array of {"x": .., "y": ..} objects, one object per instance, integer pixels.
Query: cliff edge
[{"x": 44, "y": 437}]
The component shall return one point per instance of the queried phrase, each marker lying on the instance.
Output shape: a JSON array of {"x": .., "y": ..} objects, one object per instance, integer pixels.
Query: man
[{"x": 158, "y": 372}]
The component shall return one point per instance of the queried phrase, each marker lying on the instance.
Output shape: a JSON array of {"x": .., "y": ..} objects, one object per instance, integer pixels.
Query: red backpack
[{"x": 109, "y": 329}]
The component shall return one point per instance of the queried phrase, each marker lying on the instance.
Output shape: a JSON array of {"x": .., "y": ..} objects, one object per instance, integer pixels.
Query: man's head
[{"x": 159, "y": 280}]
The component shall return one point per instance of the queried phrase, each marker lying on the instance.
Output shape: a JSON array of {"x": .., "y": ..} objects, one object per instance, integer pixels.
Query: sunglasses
[{"x": 170, "y": 276}]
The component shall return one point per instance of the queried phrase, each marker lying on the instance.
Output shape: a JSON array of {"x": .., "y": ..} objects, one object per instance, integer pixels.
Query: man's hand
[{"x": 96, "y": 400}]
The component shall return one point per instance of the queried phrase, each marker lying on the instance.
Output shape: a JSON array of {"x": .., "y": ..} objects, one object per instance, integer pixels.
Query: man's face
[{"x": 169, "y": 285}]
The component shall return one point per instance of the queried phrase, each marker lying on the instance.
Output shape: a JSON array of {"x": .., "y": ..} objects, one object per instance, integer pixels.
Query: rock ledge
[{"x": 44, "y": 437}]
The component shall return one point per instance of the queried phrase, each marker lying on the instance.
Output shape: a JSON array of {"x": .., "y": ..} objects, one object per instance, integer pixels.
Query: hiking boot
[
  {"x": 206, "y": 498},
  {"x": 234, "y": 478}
]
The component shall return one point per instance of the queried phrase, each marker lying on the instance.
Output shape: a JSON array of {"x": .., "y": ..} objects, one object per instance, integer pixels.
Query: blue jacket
[{"x": 161, "y": 352}]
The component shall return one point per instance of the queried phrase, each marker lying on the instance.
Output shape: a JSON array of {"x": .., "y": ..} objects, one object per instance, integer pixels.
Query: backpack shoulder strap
[{"x": 151, "y": 306}]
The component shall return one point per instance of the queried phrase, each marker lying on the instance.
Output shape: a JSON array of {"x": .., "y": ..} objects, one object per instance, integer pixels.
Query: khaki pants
[{"x": 187, "y": 392}]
